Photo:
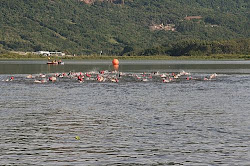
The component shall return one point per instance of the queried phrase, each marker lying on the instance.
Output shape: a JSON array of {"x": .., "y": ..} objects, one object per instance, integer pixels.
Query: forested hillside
[{"x": 132, "y": 27}]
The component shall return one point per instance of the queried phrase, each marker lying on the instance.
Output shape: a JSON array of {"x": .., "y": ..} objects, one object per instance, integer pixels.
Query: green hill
[{"x": 75, "y": 27}]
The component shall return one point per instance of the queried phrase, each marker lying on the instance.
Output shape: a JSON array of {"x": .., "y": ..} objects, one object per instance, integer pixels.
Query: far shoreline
[{"x": 11, "y": 56}]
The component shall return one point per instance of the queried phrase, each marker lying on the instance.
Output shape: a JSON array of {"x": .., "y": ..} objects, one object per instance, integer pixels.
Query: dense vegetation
[
  {"x": 74, "y": 27},
  {"x": 197, "y": 48}
]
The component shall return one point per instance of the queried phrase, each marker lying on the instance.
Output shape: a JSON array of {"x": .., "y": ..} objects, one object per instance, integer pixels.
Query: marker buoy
[{"x": 115, "y": 62}]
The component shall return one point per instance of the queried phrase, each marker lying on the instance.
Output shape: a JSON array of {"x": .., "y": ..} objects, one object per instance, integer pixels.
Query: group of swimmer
[{"x": 115, "y": 77}]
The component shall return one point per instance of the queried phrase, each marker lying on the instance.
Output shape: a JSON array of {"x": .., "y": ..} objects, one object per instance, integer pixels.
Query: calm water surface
[{"x": 126, "y": 123}]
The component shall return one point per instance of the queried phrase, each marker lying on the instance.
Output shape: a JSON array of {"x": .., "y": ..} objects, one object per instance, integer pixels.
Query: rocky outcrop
[
  {"x": 192, "y": 17},
  {"x": 87, "y": 1}
]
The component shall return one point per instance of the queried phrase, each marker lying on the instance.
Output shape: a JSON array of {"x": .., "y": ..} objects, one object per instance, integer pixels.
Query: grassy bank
[
  {"x": 165, "y": 57},
  {"x": 13, "y": 56}
]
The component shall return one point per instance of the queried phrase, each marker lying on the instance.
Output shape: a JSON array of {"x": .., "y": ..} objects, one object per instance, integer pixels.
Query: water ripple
[{"x": 201, "y": 123}]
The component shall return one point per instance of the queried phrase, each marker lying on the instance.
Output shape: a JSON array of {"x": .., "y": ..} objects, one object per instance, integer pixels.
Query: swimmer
[
  {"x": 213, "y": 76},
  {"x": 52, "y": 79},
  {"x": 9, "y": 79},
  {"x": 29, "y": 76},
  {"x": 80, "y": 79},
  {"x": 165, "y": 80}
]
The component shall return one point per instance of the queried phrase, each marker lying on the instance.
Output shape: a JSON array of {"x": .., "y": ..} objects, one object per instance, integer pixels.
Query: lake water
[{"x": 185, "y": 122}]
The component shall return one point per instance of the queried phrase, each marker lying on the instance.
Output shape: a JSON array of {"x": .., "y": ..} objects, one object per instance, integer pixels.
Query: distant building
[
  {"x": 168, "y": 27},
  {"x": 48, "y": 53}
]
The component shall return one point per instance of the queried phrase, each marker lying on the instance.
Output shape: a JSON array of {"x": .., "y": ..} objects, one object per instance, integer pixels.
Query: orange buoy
[
  {"x": 115, "y": 62},
  {"x": 116, "y": 67}
]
